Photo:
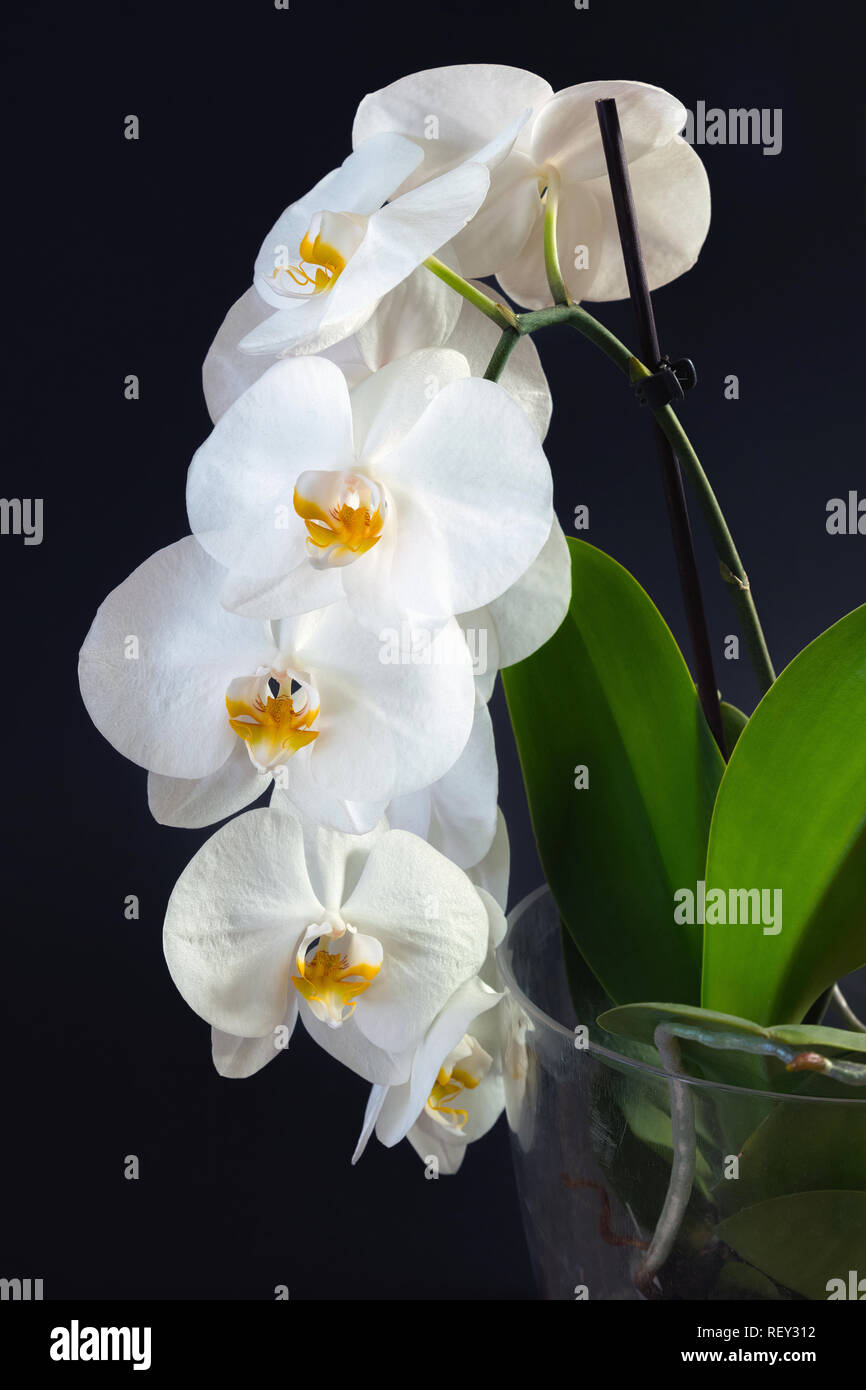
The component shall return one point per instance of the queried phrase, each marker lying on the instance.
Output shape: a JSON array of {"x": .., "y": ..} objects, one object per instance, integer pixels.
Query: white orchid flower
[
  {"x": 334, "y": 253},
  {"x": 367, "y": 937},
  {"x": 422, "y": 312},
  {"x": 423, "y": 494},
  {"x": 241, "y": 1057},
  {"x": 559, "y": 148},
  {"x": 214, "y": 705},
  {"x": 469, "y": 103},
  {"x": 455, "y": 1092}
]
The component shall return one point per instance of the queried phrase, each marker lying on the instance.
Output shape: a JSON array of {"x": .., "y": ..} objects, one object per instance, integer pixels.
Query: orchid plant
[{"x": 373, "y": 538}]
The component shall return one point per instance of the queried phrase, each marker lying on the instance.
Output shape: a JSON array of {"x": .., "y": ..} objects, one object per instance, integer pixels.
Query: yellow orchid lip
[
  {"x": 344, "y": 513},
  {"x": 331, "y": 977},
  {"x": 463, "y": 1070},
  {"x": 326, "y": 247},
  {"x": 327, "y": 261},
  {"x": 271, "y": 720}
]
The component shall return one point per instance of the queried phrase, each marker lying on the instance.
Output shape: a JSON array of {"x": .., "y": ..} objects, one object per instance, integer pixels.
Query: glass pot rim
[{"x": 605, "y": 1054}]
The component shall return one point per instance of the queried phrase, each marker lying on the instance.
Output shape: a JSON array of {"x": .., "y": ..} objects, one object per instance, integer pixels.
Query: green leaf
[
  {"x": 733, "y": 724},
  {"x": 741, "y": 1283},
  {"x": 800, "y": 1145},
  {"x": 791, "y": 815},
  {"x": 802, "y": 1240},
  {"x": 639, "y": 1021},
  {"x": 611, "y": 692},
  {"x": 652, "y": 1126},
  {"x": 734, "y": 1065}
]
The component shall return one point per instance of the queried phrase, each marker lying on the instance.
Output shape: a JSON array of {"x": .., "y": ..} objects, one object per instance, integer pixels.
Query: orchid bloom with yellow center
[
  {"x": 215, "y": 705},
  {"x": 557, "y": 154},
  {"x": 274, "y": 919},
  {"x": 421, "y": 494},
  {"x": 332, "y": 256},
  {"x": 455, "y": 1092}
]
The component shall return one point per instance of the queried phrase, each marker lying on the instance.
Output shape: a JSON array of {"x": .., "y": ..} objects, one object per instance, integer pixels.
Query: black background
[{"x": 122, "y": 257}]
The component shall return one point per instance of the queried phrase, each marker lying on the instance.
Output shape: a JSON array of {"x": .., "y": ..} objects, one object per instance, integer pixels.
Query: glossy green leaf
[
  {"x": 742, "y": 1283},
  {"x": 801, "y": 1145},
  {"x": 611, "y": 692},
  {"x": 733, "y": 724},
  {"x": 652, "y": 1125},
  {"x": 734, "y": 1065},
  {"x": 639, "y": 1021},
  {"x": 791, "y": 816},
  {"x": 804, "y": 1240}
]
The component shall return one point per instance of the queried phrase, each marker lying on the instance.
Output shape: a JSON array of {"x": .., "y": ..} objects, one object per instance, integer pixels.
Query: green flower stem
[
  {"x": 729, "y": 559},
  {"x": 501, "y": 353},
  {"x": 499, "y": 313},
  {"x": 578, "y": 318},
  {"x": 557, "y": 285}
]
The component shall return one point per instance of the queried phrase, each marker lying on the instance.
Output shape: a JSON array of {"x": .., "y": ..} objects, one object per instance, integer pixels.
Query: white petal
[
  {"x": 164, "y": 707},
  {"x": 497, "y": 926},
  {"x": 302, "y": 590},
  {"x": 371, "y": 1115},
  {"x": 500, "y": 229},
  {"x": 404, "y": 1104},
  {"x": 473, "y": 496},
  {"x": 492, "y": 873},
  {"x": 433, "y": 928},
  {"x": 390, "y": 401},
  {"x": 433, "y": 1141},
  {"x": 234, "y": 921},
  {"x": 528, "y": 614},
  {"x": 580, "y": 242},
  {"x": 241, "y": 481},
  {"x": 476, "y": 336},
  {"x": 299, "y": 789},
  {"x": 195, "y": 802},
  {"x": 335, "y": 861},
  {"x": 672, "y": 203},
  {"x": 471, "y": 103},
  {"x": 298, "y": 329},
  {"x": 412, "y": 812},
  {"x": 384, "y": 729},
  {"x": 485, "y": 682},
  {"x": 460, "y": 808},
  {"x": 567, "y": 136},
  {"x": 239, "y": 1058},
  {"x": 348, "y": 357},
  {"x": 348, "y": 1045},
  {"x": 227, "y": 372},
  {"x": 402, "y": 235},
  {"x": 420, "y": 312}
]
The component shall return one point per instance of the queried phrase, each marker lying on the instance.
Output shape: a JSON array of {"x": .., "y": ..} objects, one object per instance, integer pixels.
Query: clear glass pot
[{"x": 776, "y": 1206}]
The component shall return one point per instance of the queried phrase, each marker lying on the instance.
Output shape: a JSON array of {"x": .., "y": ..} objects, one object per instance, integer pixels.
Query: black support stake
[{"x": 678, "y": 515}]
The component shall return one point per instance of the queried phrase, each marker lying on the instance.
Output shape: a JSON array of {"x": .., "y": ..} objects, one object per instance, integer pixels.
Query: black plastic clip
[{"x": 668, "y": 383}]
